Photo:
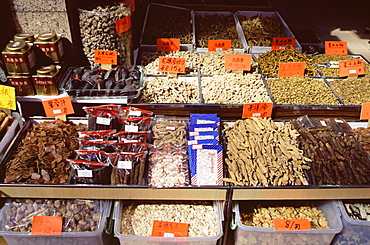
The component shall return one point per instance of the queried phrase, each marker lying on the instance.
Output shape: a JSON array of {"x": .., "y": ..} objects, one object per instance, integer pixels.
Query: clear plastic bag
[
  {"x": 129, "y": 169},
  {"x": 101, "y": 118},
  {"x": 169, "y": 131},
  {"x": 135, "y": 124},
  {"x": 88, "y": 172},
  {"x": 128, "y": 137},
  {"x": 102, "y": 135},
  {"x": 129, "y": 112}
]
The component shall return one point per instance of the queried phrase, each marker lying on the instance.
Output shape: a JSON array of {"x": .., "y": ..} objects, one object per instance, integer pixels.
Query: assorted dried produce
[
  {"x": 234, "y": 89},
  {"x": 6, "y": 120},
  {"x": 259, "y": 30},
  {"x": 301, "y": 91},
  {"x": 337, "y": 157},
  {"x": 363, "y": 136},
  {"x": 352, "y": 91},
  {"x": 261, "y": 152},
  {"x": 129, "y": 169},
  {"x": 169, "y": 132},
  {"x": 216, "y": 27},
  {"x": 358, "y": 211}
]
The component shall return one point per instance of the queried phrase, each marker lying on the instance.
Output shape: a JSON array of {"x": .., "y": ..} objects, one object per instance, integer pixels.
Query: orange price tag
[
  {"x": 171, "y": 65},
  {"x": 58, "y": 106},
  {"x": 291, "y": 69},
  {"x": 168, "y": 44},
  {"x": 108, "y": 57},
  {"x": 336, "y": 48},
  {"x": 169, "y": 229},
  {"x": 351, "y": 67},
  {"x": 365, "y": 111},
  {"x": 257, "y": 110},
  {"x": 123, "y": 24},
  {"x": 46, "y": 226},
  {"x": 292, "y": 225},
  {"x": 240, "y": 62},
  {"x": 281, "y": 43},
  {"x": 219, "y": 45}
]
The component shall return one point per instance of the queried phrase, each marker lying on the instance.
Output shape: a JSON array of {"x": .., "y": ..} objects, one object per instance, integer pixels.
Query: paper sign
[
  {"x": 292, "y": 225},
  {"x": 105, "y": 57},
  {"x": 7, "y": 97},
  {"x": 169, "y": 229},
  {"x": 240, "y": 62},
  {"x": 365, "y": 111},
  {"x": 168, "y": 44},
  {"x": 336, "y": 48},
  {"x": 281, "y": 43},
  {"x": 219, "y": 45},
  {"x": 123, "y": 25},
  {"x": 291, "y": 69},
  {"x": 46, "y": 226},
  {"x": 58, "y": 106},
  {"x": 171, "y": 65},
  {"x": 351, "y": 67},
  {"x": 257, "y": 110}
]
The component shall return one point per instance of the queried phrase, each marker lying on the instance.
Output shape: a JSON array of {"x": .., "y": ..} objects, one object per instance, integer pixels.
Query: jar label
[
  {"x": 14, "y": 59},
  {"x": 43, "y": 81},
  {"x": 19, "y": 82}
]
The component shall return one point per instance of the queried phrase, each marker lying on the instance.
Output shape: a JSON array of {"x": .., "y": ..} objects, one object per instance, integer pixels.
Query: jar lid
[
  {"x": 17, "y": 46},
  {"x": 27, "y": 37},
  {"x": 47, "y": 70},
  {"x": 47, "y": 36}
]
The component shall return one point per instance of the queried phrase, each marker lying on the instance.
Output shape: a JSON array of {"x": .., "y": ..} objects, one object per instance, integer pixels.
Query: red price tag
[
  {"x": 336, "y": 48},
  {"x": 58, "y": 106},
  {"x": 292, "y": 225},
  {"x": 169, "y": 229},
  {"x": 46, "y": 226},
  {"x": 365, "y": 111},
  {"x": 291, "y": 69},
  {"x": 353, "y": 67},
  {"x": 7, "y": 97},
  {"x": 241, "y": 62},
  {"x": 123, "y": 25},
  {"x": 257, "y": 110},
  {"x": 171, "y": 65},
  {"x": 281, "y": 43},
  {"x": 168, "y": 44},
  {"x": 108, "y": 57},
  {"x": 219, "y": 45}
]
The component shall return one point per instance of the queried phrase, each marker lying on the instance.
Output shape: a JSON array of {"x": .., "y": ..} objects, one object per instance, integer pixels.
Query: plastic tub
[{"x": 254, "y": 235}]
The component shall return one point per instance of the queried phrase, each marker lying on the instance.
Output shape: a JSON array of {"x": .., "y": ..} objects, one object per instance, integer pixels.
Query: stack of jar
[{"x": 24, "y": 73}]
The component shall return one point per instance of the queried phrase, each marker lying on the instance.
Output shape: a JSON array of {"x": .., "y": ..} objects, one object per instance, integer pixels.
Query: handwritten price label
[
  {"x": 281, "y": 43},
  {"x": 219, "y": 45},
  {"x": 169, "y": 229},
  {"x": 123, "y": 25},
  {"x": 7, "y": 97},
  {"x": 171, "y": 65},
  {"x": 292, "y": 225},
  {"x": 336, "y": 48},
  {"x": 351, "y": 67},
  {"x": 291, "y": 69},
  {"x": 240, "y": 62},
  {"x": 257, "y": 110},
  {"x": 365, "y": 111},
  {"x": 108, "y": 57},
  {"x": 168, "y": 44},
  {"x": 46, "y": 226},
  {"x": 58, "y": 106}
]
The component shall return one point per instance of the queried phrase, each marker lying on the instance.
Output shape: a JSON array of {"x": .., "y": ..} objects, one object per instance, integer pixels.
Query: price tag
[
  {"x": 171, "y": 65},
  {"x": 169, "y": 229},
  {"x": 291, "y": 69},
  {"x": 46, "y": 226},
  {"x": 168, "y": 44},
  {"x": 131, "y": 128},
  {"x": 281, "y": 43},
  {"x": 240, "y": 62},
  {"x": 7, "y": 97},
  {"x": 84, "y": 173},
  {"x": 108, "y": 57},
  {"x": 336, "y": 48},
  {"x": 292, "y": 225},
  {"x": 351, "y": 67},
  {"x": 124, "y": 164},
  {"x": 365, "y": 111},
  {"x": 123, "y": 25},
  {"x": 58, "y": 106},
  {"x": 219, "y": 45},
  {"x": 257, "y": 110}
]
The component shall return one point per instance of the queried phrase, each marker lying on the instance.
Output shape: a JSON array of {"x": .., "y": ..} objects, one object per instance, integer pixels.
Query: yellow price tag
[{"x": 7, "y": 97}]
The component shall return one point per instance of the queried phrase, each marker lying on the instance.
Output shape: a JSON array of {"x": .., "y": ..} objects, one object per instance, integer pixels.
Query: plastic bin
[
  {"x": 144, "y": 240},
  {"x": 70, "y": 238},
  {"x": 354, "y": 231},
  {"x": 254, "y": 235}
]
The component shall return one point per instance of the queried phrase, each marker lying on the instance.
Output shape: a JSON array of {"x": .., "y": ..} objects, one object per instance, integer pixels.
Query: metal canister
[
  {"x": 51, "y": 44},
  {"x": 27, "y": 37},
  {"x": 22, "y": 84},
  {"x": 46, "y": 80},
  {"x": 19, "y": 58}
]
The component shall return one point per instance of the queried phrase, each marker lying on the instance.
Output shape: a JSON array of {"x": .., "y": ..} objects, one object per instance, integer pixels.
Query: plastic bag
[
  {"x": 129, "y": 169},
  {"x": 88, "y": 172}
]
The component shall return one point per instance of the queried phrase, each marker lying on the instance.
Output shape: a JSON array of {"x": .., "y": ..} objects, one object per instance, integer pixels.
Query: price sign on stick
[
  {"x": 336, "y": 48},
  {"x": 46, "y": 226},
  {"x": 7, "y": 97},
  {"x": 241, "y": 62},
  {"x": 292, "y": 225},
  {"x": 108, "y": 57},
  {"x": 168, "y": 44},
  {"x": 171, "y": 65},
  {"x": 123, "y": 25},
  {"x": 169, "y": 229},
  {"x": 257, "y": 110},
  {"x": 353, "y": 67},
  {"x": 291, "y": 69},
  {"x": 219, "y": 45},
  {"x": 58, "y": 106},
  {"x": 281, "y": 43}
]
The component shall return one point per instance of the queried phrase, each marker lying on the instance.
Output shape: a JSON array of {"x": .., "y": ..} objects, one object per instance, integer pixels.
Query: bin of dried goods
[
  {"x": 352, "y": 91},
  {"x": 10, "y": 124},
  {"x": 363, "y": 136}
]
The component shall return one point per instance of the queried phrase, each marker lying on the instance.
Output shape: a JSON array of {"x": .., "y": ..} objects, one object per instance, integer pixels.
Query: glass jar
[
  {"x": 46, "y": 80},
  {"x": 19, "y": 58},
  {"x": 51, "y": 44}
]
